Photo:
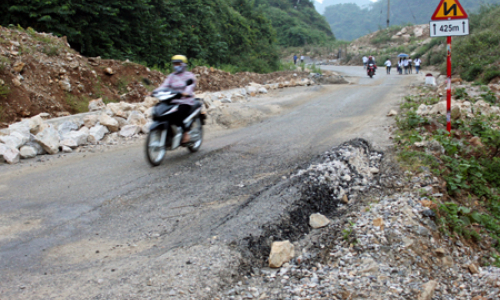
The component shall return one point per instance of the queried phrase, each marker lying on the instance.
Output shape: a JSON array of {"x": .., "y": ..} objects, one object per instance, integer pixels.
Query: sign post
[{"x": 449, "y": 19}]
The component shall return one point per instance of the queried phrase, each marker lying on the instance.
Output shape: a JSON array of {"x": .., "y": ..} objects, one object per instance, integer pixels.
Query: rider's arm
[
  {"x": 165, "y": 84},
  {"x": 189, "y": 90}
]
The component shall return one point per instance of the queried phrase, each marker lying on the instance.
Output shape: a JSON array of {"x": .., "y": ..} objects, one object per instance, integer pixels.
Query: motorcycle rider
[
  {"x": 371, "y": 60},
  {"x": 177, "y": 81}
]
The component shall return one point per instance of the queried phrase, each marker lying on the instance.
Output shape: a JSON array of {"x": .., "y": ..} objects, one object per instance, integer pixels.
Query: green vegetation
[
  {"x": 349, "y": 235},
  {"x": 51, "y": 50},
  {"x": 244, "y": 34},
  {"x": 474, "y": 56},
  {"x": 297, "y": 23},
  {"x": 77, "y": 105},
  {"x": 349, "y": 21},
  {"x": 4, "y": 62},
  {"x": 4, "y": 91},
  {"x": 469, "y": 169}
]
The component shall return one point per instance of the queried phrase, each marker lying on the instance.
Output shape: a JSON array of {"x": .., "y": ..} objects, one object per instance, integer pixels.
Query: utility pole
[{"x": 388, "y": 11}]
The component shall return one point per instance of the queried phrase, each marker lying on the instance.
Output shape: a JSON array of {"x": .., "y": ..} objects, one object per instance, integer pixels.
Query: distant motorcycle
[
  {"x": 371, "y": 70},
  {"x": 164, "y": 135}
]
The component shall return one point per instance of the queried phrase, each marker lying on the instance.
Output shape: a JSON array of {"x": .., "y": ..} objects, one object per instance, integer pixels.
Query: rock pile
[
  {"x": 35, "y": 136},
  {"x": 108, "y": 122},
  {"x": 462, "y": 106},
  {"x": 389, "y": 248},
  {"x": 211, "y": 80}
]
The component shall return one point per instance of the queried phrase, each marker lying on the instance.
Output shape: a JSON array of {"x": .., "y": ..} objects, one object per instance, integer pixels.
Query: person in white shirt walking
[
  {"x": 410, "y": 66},
  {"x": 388, "y": 66},
  {"x": 405, "y": 65},
  {"x": 365, "y": 61},
  {"x": 417, "y": 63}
]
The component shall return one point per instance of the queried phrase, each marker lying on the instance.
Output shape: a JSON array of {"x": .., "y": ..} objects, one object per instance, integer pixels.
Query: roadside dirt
[{"x": 40, "y": 73}]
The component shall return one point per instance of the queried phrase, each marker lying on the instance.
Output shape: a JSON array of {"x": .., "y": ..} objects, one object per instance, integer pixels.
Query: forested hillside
[
  {"x": 214, "y": 32},
  {"x": 320, "y": 7},
  {"x": 296, "y": 22},
  {"x": 349, "y": 21}
]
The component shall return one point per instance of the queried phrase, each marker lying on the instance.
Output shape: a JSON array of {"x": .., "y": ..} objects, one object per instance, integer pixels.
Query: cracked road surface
[{"x": 108, "y": 226}]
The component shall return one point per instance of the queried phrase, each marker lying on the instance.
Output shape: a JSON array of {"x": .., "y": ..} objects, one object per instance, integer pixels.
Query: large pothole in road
[{"x": 329, "y": 186}]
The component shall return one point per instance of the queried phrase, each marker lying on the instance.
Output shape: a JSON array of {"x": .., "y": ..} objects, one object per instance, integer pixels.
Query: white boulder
[
  {"x": 136, "y": 118},
  {"x": 85, "y": 130},
  {"x": 66, "y": 149},
  {"x": 318, "y": 221},
  {"x": 96, "y": 105},
  {"x": 22, "y": 128},
  {"x": 148, "y": 113},
  {"x": 263, "y": 90},
  {"x": 281, "y": 252},
  {"x": 130, "y": 130},
  {"x": 10, "y": 155},
  {"x": 96, "y": 133},
  {"x": 13, "y": 141},
  {"x": 482, "y": 107},
  {"x": 150, "y": 101},
  {"x": 36, "y": 124},
  {"x": 49, "y": 140},
  {"x": 39, "y": 149},
  {"x": 74, "y": 139},
  {"x": 439, "y": 108},
  {"x": 145, "y": 127},
  {"x": 423, "y": 110},
  {"x": 27, "y": 152},
  {"x": 66, "y": 127},
  {"x": 111, "y": 123},
  {"x": 90, "y": 120},
  {"x": 252, "y": 90}
]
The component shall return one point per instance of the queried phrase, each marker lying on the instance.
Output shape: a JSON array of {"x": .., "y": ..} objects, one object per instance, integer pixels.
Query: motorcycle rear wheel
[
  {"x": 154, "y": 151},
  {"x": 197, "y": 134}
]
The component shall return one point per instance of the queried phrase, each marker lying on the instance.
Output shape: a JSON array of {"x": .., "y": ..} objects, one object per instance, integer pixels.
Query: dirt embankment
[{"x": 40, "y": 73}]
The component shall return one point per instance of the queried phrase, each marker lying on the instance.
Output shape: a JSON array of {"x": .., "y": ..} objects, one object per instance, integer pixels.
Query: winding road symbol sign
[{"x": 449, "y": 10}]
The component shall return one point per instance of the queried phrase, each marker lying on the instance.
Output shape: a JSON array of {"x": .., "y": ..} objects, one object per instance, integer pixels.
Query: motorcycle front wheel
[
  {"x": 196, "y": 135},
  {"x": 155, "y": 147}
]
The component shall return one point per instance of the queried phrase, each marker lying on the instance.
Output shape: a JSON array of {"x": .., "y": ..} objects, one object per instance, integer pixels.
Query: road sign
[
  {"x": 449, "y": 28},
  {"x": 449, "y": 10}
]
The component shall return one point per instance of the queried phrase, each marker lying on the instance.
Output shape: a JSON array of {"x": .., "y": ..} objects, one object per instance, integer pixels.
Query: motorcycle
[
  {"x": 164, "y": 135},
  {"x": 371, "y": 70}
]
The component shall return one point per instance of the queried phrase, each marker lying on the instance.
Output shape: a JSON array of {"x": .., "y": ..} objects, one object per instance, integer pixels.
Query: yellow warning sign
[{"x": 449, "y": 9}]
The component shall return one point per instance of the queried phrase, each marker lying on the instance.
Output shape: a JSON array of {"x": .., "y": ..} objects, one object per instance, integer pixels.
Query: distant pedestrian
[
  {"x": 301, "y": 59},
  {"x": 365, "y": 61},
  {"x": 400, "y": 66},
  {"x": 405, "y": 65},
  {"x": 410, "y": 68},
  {"x": 417, "y": 63},
  {"x": 295, "y": 59},
  {"x": 388, "y": 66}
]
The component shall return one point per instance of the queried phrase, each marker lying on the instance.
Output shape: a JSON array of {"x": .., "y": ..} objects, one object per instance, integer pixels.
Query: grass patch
[
  {"x": 107, "y": 100},
  {"x": 122, "y": 84},
  {"x": 77, "y": 105},
  {"x": 470, "y": 172},
  {"x": 4, "y": 91},
  {"x": 4, "y": 62},
  {"x": 51, "y": 50}
]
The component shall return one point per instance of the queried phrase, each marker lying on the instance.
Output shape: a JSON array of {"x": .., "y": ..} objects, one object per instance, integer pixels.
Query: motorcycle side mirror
[{"x": 189, "y": 82}]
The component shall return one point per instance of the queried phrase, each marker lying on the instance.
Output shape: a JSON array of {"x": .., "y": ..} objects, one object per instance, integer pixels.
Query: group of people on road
[
  {"x": 405, "y": 64},
  {"x": 295, "y": 59}
]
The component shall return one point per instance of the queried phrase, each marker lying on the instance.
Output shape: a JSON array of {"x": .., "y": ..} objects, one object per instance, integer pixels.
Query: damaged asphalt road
[{"x": 107, "y": 226}]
